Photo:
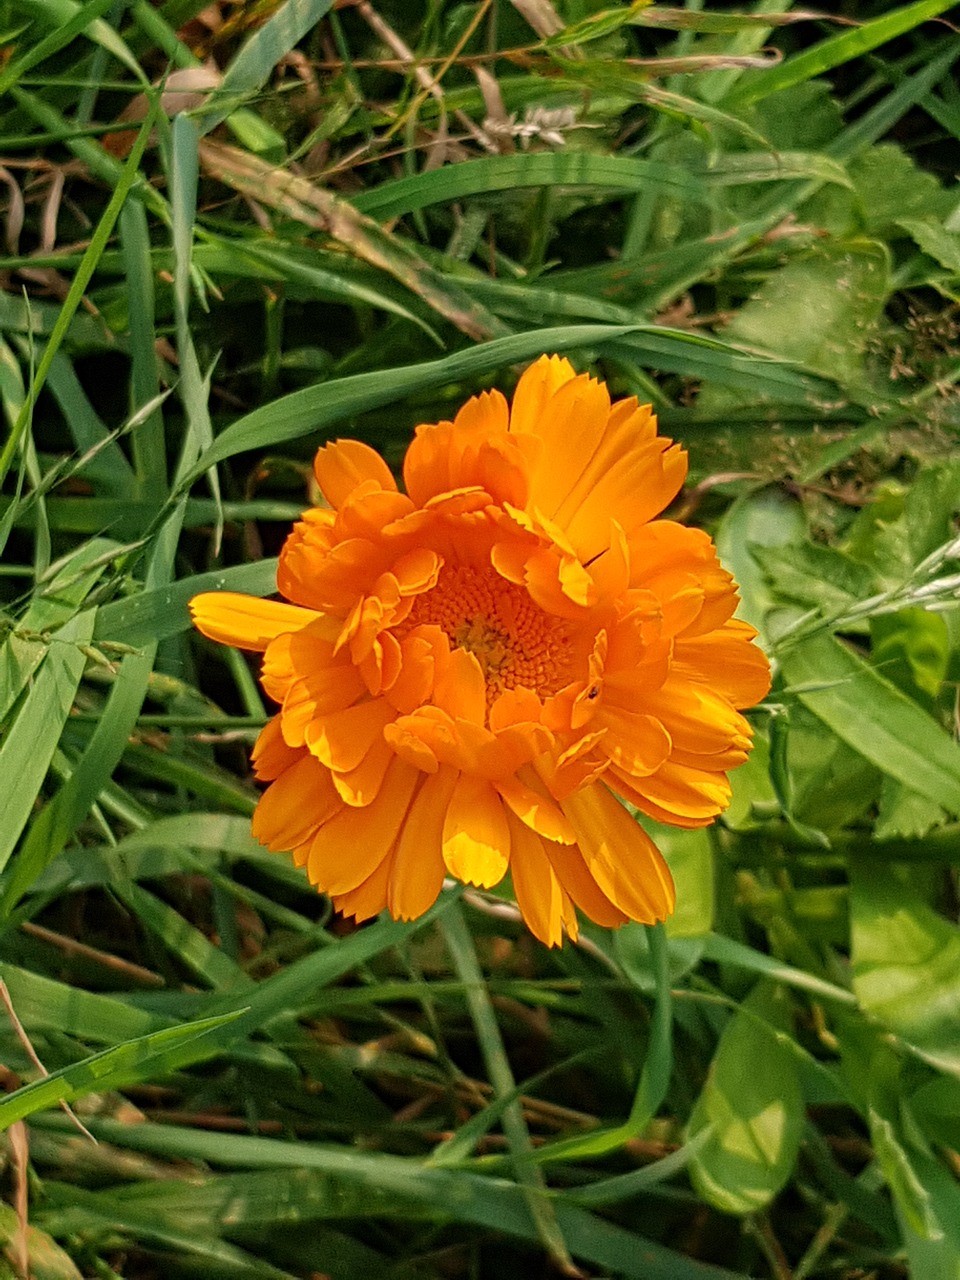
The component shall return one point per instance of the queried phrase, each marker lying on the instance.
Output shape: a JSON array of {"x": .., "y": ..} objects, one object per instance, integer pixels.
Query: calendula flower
[{"x": 474, "y": 674}]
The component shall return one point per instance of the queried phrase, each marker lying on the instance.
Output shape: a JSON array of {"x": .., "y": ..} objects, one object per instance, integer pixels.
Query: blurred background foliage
[{"x": 232, "y": 232}]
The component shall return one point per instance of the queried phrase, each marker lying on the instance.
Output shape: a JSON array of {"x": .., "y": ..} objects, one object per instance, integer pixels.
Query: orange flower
[{"x": 472, "y": 675}]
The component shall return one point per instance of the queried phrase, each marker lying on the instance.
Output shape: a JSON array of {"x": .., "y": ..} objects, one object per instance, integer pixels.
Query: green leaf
[
  {"x": 766, "y": 518},
  {"x": 875, "y": 718},
  {"x": 28, "y": 747},
  {"x": 358, "y": 1184},
  {"x": 815, "y": 575},
  {"x": 316, "y": 408},
  {"x": 935, "y": 240},
  {"x": 47, "y": 1260},
  {"x": 530, "y": 169},
  {"x": 159, "y": 614},
  {"x": 845, "y": 287},
  {"x": 136, "y": 1061},
  {"x": 84, "y": 274},
  {"x": 755, "y": 1111},
  {"x": 906, "y": 961},
  {"x": 836, "y": 50},
  {"x": 254, "y": 63}
]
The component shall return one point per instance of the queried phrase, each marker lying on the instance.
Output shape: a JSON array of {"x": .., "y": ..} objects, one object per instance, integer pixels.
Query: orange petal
[
  {"x": 620, "y": 856},
  {"x": 417, "y": 872},
  {"x": 727, "y": 661},
  {"x": 678, "y": 794},
  {"x": 419, "y": 658},
  {"x": 624, "y": 481},
  {"x": 426, "y": 466},
  {"x": 476, "y": 838},
  {"x": 271, "y": 755},
  {"x": 361, "y": 786},
  {"x": 349, "y": 848},
  {"x": 536, "y": 386},
  {"x": 367, "y": 899},
  {"x": 637, "y": 743},
  {"x": 245, "y": 621},
  {"x": 543, "y": 903},
  {"x": 296, "y": 805},
  {"x": 696, "y": 718},
  {"x": 572, "y": 427},
  {"x": 461, "y": 690},
  {"x": 571, "y": 870},
  {"x": 403, "y": 739},
  {"x": 342, "y": 739},
  {"x": 344, "y": 464},
  {"x": 536, "y": 811},
  {"x": 417, "y": 571}
]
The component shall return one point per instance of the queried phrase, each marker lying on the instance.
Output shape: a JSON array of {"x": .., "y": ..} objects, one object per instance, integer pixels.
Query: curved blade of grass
[
  {"x": 192, "y": 387},
  {"x": 277, "y": 261},
  {"x": 363, "y": 1185},
  {"x": 60, "y": 817},
  {"x": 835, "y": 51},
  {"x": 147, "y": 444},
  {"x": 44, "y": 1005},
  {"x": 109, "y": 469},
  {"x": 195, "y": 952},
  {"x": 655, "y": 1074},
  {"x": 133, "y": 1062},
  {"x": 315, "y": 408},
  {"x": 659, "y": 17},
  {"x": 510, "y": 173},
  {"x": 82, "y": 18},
  {"x": 294, "y": 989}
]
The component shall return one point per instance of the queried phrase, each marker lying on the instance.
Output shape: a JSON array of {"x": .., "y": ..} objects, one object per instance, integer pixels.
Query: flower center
[{"x": 515, "y": 642}]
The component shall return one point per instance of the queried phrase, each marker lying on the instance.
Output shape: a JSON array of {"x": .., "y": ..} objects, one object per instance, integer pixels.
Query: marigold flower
[{"x": 473, "y": 674}]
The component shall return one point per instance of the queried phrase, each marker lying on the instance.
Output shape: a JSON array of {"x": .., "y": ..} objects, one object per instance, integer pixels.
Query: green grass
[{"x": 766, "y": 245}]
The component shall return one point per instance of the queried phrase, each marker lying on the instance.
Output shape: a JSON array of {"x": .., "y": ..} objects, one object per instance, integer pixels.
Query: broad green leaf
[
  {"x": 933, "y": 239},
  {"x": 844, "y": 287},
  {"x": 906, "y": 961},
  {"x": 912, "y": 649},
  {"x": 766, "y": 518},
  {"x": 690, "y": 857},
  {"x": 874, "y": 717},
  {"x": 756, "y": 1111},
  {"x": 925, "y": 1196},
  {"x": 137, "y": 1061},
  {"x": 727, "y": 951},
  {"x": 815, "y": 575},
  {"x": 903, "y": 812}
]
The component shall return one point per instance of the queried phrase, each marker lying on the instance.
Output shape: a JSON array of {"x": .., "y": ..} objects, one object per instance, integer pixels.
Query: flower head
[{"x": 474, "y": 673}]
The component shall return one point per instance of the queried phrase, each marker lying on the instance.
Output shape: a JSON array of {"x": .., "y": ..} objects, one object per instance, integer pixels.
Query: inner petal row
[{"x": 516, "y": 642}]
